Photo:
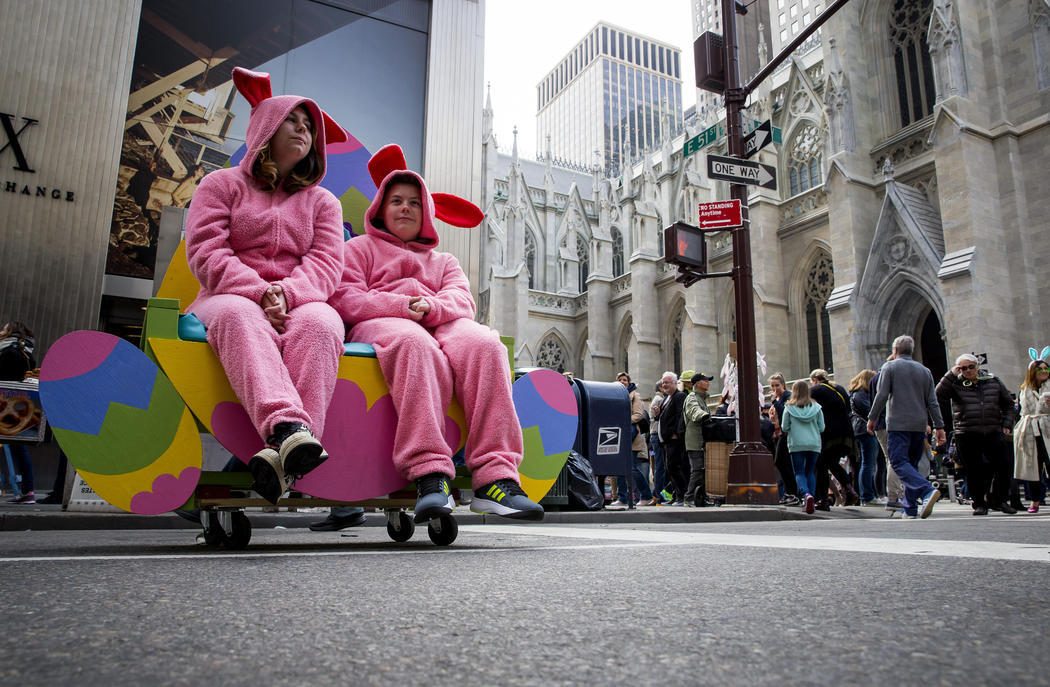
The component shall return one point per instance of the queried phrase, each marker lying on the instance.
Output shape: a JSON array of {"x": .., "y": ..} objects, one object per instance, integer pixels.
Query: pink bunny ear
[
  {"x": 254, "y": 86},
  {"x": 333, "y": 133},
  {"x": 457, "y": 211},
  {"x": 387, "y": 159}
]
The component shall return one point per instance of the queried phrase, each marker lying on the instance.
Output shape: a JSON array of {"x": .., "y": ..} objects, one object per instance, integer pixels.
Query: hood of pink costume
[
  {"x": 268, "y": 111},
  {"x": 428, "y": 236}
]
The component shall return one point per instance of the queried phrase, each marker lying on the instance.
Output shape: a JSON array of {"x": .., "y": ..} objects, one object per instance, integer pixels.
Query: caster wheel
[
  {"x": 241, "y": 532},
  {"x": 213, "y": 534},
  {"x": 403, "y": 529},
  {"x": 443, "y": 530}
]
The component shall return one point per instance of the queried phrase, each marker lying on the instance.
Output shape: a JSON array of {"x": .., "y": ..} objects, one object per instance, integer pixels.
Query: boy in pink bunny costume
[
  {"x": 413, "y": 305},
  {"x": 265, "y": 242}
]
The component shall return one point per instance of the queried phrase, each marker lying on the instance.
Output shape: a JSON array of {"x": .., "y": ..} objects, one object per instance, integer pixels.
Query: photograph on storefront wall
[{"x": 363, "y": 62}]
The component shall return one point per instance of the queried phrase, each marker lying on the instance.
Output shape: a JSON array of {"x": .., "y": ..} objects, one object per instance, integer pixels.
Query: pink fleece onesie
[
  {"x": 425, "y": 362},
  {"x": 241, "y": 239}
]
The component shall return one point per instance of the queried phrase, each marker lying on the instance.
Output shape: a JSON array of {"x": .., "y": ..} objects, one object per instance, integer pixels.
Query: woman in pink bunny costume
[
  {"x": 413, "y": 305},
  {"x": 265, "y": 242}
]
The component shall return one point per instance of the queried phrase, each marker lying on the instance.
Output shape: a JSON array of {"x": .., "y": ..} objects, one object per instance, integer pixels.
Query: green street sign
[
  {"x": 713, "y": 133},
  {"x": 704, "y": 138}
]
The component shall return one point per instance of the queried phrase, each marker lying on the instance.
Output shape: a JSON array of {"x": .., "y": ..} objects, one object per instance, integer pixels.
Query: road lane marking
[
  {"x": 917, "y": 547},
  {"x": 615, "y": 538},
  {"x": 259, "y": 553}
]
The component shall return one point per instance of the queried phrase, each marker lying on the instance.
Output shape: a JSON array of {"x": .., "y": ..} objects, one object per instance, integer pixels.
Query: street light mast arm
[{"x": 785, "y": 52}]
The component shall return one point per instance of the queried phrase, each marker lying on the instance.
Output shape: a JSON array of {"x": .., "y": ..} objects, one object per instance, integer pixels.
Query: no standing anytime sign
[{"x": 722, "y": 214}]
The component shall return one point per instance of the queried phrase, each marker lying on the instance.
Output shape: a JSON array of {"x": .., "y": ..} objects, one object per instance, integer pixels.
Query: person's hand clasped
[
  {"x": 871, "y": 427},
  {"x": 275, "y": 305},
  {"x": 418, "y": 307}
]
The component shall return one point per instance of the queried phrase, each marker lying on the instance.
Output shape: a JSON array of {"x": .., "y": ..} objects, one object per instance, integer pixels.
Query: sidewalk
[{"x": 15, "y": 517}]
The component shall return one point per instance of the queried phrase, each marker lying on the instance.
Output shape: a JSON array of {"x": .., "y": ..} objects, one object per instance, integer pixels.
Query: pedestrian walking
[
  {"x": 1032, "y": 431},
  {"x": 672, "y": 436},
  {"x": 836, "y": 439},
  {"x": 906, "y": 393},
  {"x": 860, "y": 406},
  {"x": 983, "y": 416},
  {"x": 778, "y": 396},
  {"x": 804, "y": 422}
]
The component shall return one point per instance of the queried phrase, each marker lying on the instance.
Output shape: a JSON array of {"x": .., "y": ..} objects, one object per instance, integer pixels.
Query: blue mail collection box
[{"x": 605, "y": 431}]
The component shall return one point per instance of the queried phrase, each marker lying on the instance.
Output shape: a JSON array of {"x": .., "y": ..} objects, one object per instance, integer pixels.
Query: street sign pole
[{"x": 752, "y": 476}]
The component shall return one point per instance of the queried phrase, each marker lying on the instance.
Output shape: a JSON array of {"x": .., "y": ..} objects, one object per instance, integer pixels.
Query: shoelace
[
  {"x": 510, "y": 487},
  {"x": 431, "y": 484}
]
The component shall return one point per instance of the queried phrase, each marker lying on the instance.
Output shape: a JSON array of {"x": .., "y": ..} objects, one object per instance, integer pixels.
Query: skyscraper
[
  {"x": 615, "y": 91},
  {"x": 753, "y": 37}
]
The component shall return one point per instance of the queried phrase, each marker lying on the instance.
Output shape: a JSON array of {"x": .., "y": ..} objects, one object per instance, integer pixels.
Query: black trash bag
[
  {"x": 584, "y": 493},
  {"x": 720, "y": 429}
]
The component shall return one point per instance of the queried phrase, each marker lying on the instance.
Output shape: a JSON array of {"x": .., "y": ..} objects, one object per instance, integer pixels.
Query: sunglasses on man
[{"x": 967, "y": 367}]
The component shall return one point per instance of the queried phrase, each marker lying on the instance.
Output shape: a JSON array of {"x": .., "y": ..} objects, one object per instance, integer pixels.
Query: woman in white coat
[{"x": 1032, "y": 431}]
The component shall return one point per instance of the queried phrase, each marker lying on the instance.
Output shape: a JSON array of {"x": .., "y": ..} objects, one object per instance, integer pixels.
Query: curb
[{"x": 39, "y": 518}]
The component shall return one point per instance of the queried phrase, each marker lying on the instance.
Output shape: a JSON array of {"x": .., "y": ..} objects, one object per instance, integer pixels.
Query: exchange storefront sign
[{"x": 14, "y": 144}]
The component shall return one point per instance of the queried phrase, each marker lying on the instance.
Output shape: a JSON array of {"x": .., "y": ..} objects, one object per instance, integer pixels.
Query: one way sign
[
  {"x": 758, "y": 139},
  {"x": 742, "y": 171}
]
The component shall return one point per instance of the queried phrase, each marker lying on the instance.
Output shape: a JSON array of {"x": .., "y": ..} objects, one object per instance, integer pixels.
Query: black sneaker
[
  {"x": 434, "y": 497},
  {"x": 505, "y": 497},
  {"x": 334, "y": 523},
  {"x": 300, "y": 450},
  {"x": 267, "y": 475}
]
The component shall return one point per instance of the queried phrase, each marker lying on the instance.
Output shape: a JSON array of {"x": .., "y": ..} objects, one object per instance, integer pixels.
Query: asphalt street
[{"x": 949, "y": 600}]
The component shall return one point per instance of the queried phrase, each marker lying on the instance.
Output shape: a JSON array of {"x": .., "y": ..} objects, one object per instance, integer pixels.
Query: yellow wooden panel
[
  {"x": 179, "y": 281},
  {"x": 196, "y": 373}
]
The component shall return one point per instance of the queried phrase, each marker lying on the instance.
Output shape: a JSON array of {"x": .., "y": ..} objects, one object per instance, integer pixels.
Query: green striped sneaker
[
  {"x": 434, "y": 497},
  {"x": 504, "y": 497}
]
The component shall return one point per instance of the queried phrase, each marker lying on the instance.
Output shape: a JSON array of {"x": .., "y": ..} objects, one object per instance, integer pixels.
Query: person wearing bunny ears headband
[
  {"x": 413, "y": 305},
  {"x": 265, "y": 240},
  {"x": 1032, "y": 431}
]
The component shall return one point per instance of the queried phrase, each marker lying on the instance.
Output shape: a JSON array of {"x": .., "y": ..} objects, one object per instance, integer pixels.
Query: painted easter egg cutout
[
  {"x": 120, "y": 422},
  {"x": 546, "y": 409}
]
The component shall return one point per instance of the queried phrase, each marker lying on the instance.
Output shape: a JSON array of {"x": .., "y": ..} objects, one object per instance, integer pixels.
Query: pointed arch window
[
  {"x": 530, "y": 258},
  {"x": 617, "y": 251},
  {"x": 676, "y": 340},
  {"x": 805, "y": 166},
  {"x": 625, "y": 347},
  {"x": 583, "y": 256},
  {"x": 551, "y": 355},
  {"x": 909, "y": 22},
  {"x": 820, "y": 280}
]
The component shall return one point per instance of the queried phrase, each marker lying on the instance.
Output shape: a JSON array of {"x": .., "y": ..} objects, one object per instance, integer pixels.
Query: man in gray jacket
[{"x": 906, "y": 391}]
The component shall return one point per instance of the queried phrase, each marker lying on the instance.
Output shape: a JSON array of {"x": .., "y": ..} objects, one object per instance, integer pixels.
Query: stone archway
[
  {"x": 910, "y": 312},
  {"x": 929, "y": 345}
]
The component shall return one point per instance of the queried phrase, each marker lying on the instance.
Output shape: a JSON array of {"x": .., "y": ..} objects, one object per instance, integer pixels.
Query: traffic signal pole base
[{"x": 752, "y": 478}]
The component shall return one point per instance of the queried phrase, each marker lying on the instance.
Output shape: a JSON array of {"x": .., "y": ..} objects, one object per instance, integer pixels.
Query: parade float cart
[{"x": 130, "y": 421}]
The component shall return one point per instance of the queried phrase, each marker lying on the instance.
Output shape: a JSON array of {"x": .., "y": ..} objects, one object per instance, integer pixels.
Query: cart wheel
[
  {"x": 443, "y": 530},
  {"x": 242, "y": 532},
  {"x": 404, "y": 528},
  {"x": 213, "y": 534}
]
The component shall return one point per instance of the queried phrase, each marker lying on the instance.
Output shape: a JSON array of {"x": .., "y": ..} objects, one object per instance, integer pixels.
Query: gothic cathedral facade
[{"x": 911, "y": 200}]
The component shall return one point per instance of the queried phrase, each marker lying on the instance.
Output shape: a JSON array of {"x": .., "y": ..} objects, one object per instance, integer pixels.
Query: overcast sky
[{"x": 525, "y": 40}]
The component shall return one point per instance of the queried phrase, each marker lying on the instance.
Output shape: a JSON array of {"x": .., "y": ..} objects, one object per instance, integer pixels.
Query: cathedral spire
[{"x": 486, "y": 116}]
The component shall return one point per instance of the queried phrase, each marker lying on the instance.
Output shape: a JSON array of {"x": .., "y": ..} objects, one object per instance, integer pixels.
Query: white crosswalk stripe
[{"x": 903, "y": 546}]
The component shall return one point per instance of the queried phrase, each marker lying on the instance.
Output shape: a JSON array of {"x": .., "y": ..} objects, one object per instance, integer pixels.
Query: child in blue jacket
[{"x": 803, "y": 422}]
